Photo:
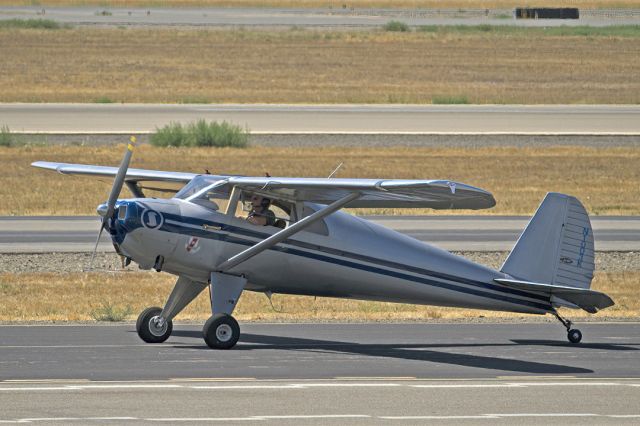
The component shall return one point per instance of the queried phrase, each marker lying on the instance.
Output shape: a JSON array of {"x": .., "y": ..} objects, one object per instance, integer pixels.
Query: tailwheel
[
  {"x": 574, "y": 336},
  {"x": 151, "y": 327},
  {"x": 221, "y": 331}
]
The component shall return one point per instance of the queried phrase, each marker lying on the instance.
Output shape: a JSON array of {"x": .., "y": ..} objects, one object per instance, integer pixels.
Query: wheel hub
[
  {"x": 158, "y": 326},
  {"x": 224, "y": 332}
]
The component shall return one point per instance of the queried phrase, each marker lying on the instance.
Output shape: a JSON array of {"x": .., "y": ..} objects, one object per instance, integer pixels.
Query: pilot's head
[{"x": 258, "y": 202}]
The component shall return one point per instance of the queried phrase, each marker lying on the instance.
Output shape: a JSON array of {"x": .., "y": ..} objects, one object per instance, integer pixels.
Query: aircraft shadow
[{"x": 412, "y": 352}]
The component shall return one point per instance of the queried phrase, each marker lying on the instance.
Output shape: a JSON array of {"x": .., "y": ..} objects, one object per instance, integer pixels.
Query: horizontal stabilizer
[{"x": 589, "y": 300}]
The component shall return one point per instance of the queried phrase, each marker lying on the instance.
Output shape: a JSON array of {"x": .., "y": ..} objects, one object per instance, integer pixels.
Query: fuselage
[{"x": 342, "y": 256}]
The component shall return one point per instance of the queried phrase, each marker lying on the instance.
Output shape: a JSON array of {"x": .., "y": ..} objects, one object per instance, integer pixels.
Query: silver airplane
[{"x": 316, "y": 250}]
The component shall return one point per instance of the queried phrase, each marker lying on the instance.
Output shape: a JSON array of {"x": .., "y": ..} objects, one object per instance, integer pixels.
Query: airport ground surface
[
  {"x": 274, "y": 17},
  {"x": 319, "y": 373},
  {"x": 44, "y": 234},
  {"x": 367, "y": 119}
]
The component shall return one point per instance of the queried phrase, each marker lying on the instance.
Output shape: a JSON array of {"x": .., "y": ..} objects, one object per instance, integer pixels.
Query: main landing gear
[
  {"x": 221, "y": 331},
  {"x": 574, "y": 335}
]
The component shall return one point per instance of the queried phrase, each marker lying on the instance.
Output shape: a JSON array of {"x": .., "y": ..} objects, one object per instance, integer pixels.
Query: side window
[{"x": 282, "y": 216}]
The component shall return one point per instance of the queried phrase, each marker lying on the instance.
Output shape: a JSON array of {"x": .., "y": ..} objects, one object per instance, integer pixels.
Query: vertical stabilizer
[{"x": 556, "y": 247}]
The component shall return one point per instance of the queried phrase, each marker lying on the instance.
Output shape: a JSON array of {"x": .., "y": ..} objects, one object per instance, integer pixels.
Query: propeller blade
[
  {"x": 119, "y": 180},
  {"x": 118, "y": 183},
  {"x": 95, "y": 248}
]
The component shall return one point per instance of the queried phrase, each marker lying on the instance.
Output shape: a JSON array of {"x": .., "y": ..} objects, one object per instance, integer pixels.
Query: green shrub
[
  {"x": 46, "y": 24},
  {"x": 195, "y": 100},
  {"x": 103, "y": 100},
  {"x": 461, "y": 99},
  {"x": 109, "y": 312},
  {"x": 6, "y": 138},
  {"x": 201, "y": 133},
  {"x": 396, "y": 26},
  {"x": 173, "y": 134}
]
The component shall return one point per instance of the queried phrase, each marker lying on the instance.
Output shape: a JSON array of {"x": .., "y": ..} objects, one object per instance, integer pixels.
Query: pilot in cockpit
[{"x": 260, "y": 213}]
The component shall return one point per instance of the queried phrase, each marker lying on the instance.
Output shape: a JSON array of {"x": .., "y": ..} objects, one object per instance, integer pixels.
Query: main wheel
[
  {"x": 149, "y": 329},
  {"x": 221, "y": 331},
  {"x": 574, "y": 336}
]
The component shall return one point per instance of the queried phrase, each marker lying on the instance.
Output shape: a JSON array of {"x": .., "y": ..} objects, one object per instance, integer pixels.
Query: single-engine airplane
[{"x": 317, "y": 250}]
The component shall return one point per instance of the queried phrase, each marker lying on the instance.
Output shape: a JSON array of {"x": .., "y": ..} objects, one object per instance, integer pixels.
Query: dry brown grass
[
  {"x": 74, "y": 296},
  {"x": 167, "y": 65},
  {"x": 336, "y": 4},
  {"x": 605, "y": 179}
]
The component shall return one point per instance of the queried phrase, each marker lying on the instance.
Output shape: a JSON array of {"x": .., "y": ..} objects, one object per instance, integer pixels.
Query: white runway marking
[
  {"x": 79, "y": 386},
  {"x": 301, "y": 417}
]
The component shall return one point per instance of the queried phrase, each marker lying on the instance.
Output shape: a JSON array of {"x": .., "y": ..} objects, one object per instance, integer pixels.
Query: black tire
[
  {"x": 147, "y": 331},
  {"x": 221, "y": 331},
  {"x": 574, "y": 336}
]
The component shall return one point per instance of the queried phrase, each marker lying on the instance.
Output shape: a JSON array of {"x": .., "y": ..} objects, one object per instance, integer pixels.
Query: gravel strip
[
  {"x": 316, "y": 140},
  {"x": 77, "y": 262}
]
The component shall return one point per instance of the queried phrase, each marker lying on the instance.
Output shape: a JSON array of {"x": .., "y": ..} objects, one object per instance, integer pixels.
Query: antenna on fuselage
[{"x": 335, "y": 171}]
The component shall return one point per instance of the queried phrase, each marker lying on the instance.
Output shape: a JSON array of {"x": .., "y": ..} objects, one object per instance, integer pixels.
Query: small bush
[
  {"x": 46, "y": 24},
  {"x": 195, "y": 100},
  {"x": 103, "y": 100},
  {"x": 6, "y": 138},
  {"x": 457, "y": 100},
  {"x": 173, "y": 134},
  {"x": 396, "y": 26},
  {"x": 108, "y": 312},
  {"x": 201, "y": 133},
  {"x": 103, "y": 13}
]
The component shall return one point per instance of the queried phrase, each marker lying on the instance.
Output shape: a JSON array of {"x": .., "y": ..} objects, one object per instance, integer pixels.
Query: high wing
[
  {"x": 133, "y": 175},
  {"x": 374, "y": 193},
  {"x": 136, "y": 179}
]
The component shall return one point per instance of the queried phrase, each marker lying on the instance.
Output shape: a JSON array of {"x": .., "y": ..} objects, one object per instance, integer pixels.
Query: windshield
[
  {"x": 205, "y": 191},
  {"x": 198, "y": 183}
]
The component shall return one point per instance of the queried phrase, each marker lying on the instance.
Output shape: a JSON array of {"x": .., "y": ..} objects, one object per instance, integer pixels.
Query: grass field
[
  {"x": 605, "y": 179},
  {"x": 335, "y": 4},
  {"x": 83, "y": 297},
  {"x": 476, "y": 65}
]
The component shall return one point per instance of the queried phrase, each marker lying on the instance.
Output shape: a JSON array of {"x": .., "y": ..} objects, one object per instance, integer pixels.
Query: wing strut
[{"x": 285, "y": 233}]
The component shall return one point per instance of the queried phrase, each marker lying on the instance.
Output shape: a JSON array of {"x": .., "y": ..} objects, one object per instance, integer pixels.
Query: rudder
[{"x": 556, "y": 247}]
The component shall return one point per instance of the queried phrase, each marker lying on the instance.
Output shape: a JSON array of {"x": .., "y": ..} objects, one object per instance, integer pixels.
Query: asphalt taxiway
[
  {"x": 322, "y": 351},
  {"x": 328, "y": 119},
  {"x": 321, "y": 373},
  {"x": 32, "y": 234},
  {"x": 346, "y": 17}
]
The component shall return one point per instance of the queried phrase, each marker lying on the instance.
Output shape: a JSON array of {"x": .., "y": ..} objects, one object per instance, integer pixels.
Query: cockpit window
[
  {"x": 202, "y": 190},
  {"x": 198, "y": 183}
]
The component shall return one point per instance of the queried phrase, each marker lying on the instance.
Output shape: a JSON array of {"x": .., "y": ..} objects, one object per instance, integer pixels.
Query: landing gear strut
[{"x": 574, "y": 335}]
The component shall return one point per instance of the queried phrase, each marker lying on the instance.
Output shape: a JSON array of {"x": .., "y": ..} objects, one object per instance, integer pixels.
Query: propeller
[{"x": 118, "y": 183}]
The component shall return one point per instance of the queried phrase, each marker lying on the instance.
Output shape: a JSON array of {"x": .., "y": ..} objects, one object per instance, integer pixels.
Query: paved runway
[
  {"x": 270, "y": 17},
  {"x": 323, "y": 351},
  {"x": 31, "y": 234},
  {"x": 320, "y": 373},
  {"x": 367, "y": 119}
]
